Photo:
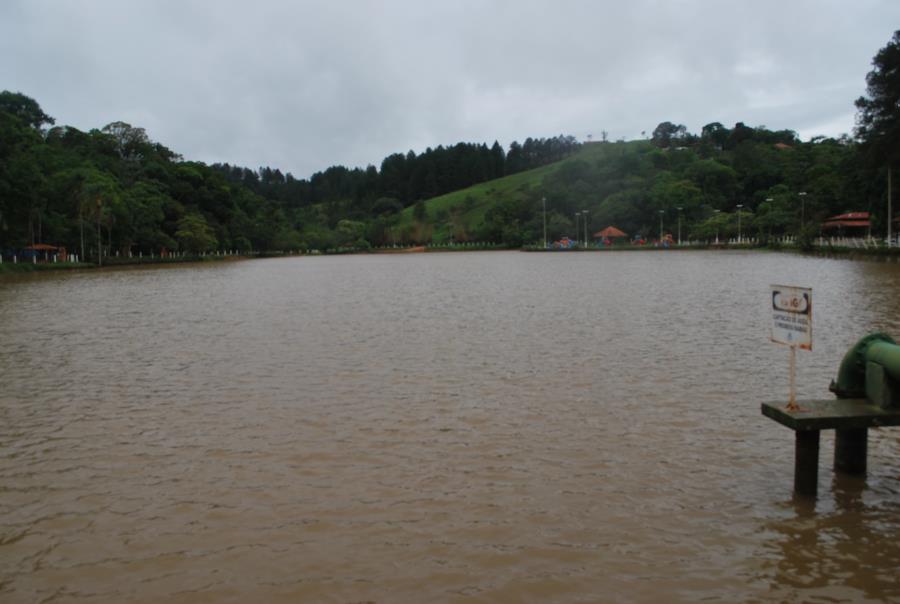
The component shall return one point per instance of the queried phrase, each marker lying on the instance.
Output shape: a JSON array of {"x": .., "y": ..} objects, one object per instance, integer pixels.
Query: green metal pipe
[
  {"x": 887, "y": 355},
  {"x": 876, "y": 347}
]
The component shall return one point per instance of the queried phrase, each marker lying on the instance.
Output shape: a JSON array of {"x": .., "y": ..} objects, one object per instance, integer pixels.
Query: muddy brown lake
[{"x": 457, "y": 427}]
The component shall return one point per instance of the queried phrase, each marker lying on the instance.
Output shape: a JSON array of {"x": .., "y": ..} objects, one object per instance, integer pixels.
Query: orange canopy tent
[{"x": 609, "y": 233}]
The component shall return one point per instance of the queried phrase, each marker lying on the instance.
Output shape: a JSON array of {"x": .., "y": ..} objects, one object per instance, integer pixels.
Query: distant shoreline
[
  {"x": 25, "y": 267},
  {"x": 22, "y": 268}
]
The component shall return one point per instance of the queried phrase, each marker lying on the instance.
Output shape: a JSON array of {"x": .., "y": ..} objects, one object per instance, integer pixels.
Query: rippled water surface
[{"x": 478, "y": 427}]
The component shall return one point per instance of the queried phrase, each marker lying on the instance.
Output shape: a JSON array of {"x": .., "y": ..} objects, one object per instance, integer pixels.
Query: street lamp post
[
  {"x": 739, "y": 206},
  {"x": 584, "y": 212},
  {"x": 544, "y": 201},
  {"x": 577, "y": 231},
  {"x": 661, "y": 212},
  {"x": 99, "y": 242},
  {"x": 802, "y": 195},
  {"x": 679, "y": 226},
  {"x": 717, "y": 212}
]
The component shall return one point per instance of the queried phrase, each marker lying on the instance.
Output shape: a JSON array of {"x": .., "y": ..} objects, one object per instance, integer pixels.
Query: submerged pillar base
[
  {"x": 851, "y": 448},
  {"x": 806, "y": 462}
]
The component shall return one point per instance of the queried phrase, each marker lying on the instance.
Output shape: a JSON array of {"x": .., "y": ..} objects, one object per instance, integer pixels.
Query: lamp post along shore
[
  {"x": 679, "y": 225},
  {"x": 577, "y": 227},
  {"x": 584, "y": 212},
  {"x": 802, "y": 196},
  {"x": 739, "y": 206},
  {"x": 544, "y": 202},
  {"x": 99, "y": 242},
  {"x": 716, "y": 214}
]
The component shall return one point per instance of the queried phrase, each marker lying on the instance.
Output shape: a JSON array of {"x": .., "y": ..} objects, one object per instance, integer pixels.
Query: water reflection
[{"x": 837, "y": 549}]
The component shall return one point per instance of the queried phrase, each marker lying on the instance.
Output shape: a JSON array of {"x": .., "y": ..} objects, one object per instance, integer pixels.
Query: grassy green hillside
[
  {"x": 463, "y": 215},
  {"x": 776, "y": 183}
]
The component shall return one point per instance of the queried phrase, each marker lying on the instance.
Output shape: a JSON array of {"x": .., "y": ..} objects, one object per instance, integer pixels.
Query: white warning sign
[{"x": 792, "y": 316}]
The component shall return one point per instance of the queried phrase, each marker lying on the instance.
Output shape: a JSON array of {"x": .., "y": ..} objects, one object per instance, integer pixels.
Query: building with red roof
[{"x": 851, "y": 224}]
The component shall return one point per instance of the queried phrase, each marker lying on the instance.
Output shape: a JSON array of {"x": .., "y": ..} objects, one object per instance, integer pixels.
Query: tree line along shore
[{"x": 113, "y": 194}]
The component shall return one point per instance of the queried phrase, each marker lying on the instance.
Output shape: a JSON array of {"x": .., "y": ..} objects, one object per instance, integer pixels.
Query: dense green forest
[
  {"x": 116, "y": 189},
  {"x": 60, "y": 185}
]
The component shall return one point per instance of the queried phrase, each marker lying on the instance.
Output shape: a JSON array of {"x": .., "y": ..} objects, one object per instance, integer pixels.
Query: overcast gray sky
[{"x": 303, "y": 85}]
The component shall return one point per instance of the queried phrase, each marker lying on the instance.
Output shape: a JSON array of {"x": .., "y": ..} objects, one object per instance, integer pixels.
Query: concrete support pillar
[
  {"x": 806, "y": 462},
  {"x": 851, "y": 448}
]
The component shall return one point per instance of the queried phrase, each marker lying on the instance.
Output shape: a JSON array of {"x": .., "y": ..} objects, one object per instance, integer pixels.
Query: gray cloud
[{"x": 305, "y": 85}]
